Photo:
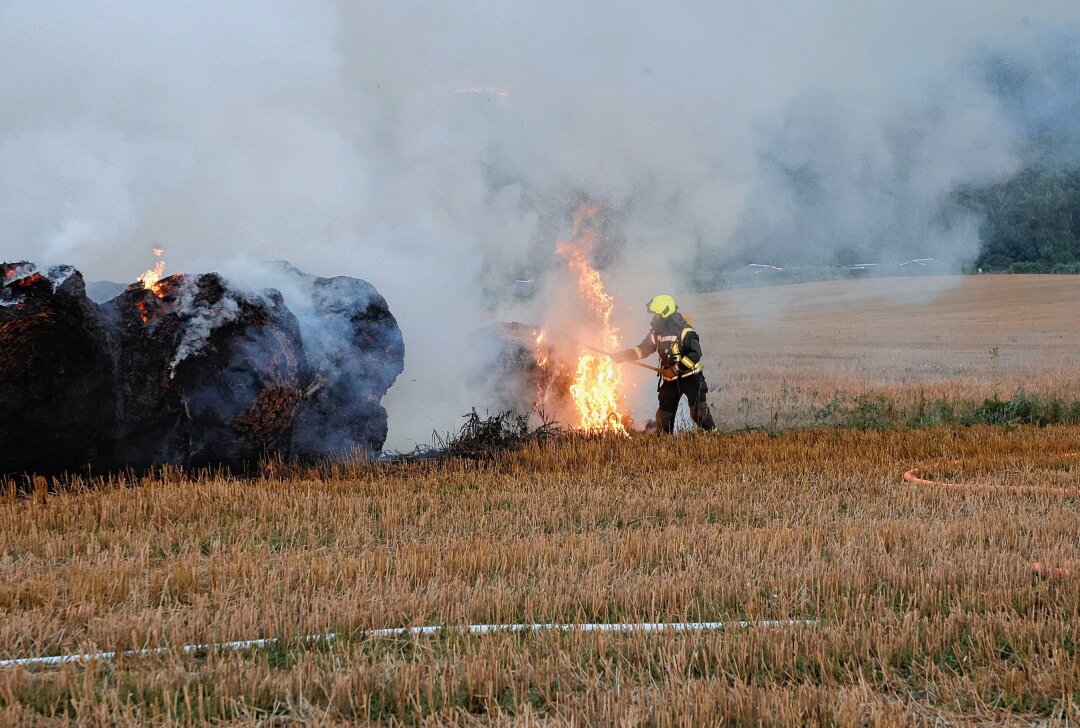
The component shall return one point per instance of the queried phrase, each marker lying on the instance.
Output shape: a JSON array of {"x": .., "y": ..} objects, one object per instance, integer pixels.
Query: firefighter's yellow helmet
[{"x": 662, "y": 306}]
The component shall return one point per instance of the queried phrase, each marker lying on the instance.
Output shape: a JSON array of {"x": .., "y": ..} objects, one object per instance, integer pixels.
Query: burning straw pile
[
  {"x": 560, "y": 370},
  {"x": 189, "y": 371}
]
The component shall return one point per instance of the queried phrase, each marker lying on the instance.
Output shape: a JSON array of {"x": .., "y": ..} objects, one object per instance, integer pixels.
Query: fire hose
[
  {"x": 1068, "y": 569},
  {"x": 473, "y": 629}
]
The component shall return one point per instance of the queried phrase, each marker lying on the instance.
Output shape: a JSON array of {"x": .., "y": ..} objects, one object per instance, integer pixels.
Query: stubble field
[
  {"x": 925, "y": 604},
  {"x": 785, "y": 355}
]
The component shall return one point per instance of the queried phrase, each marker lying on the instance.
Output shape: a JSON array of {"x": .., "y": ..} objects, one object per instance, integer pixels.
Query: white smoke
[
  {"x": 437, "y": 149},
  {"x": 201, "y": 318}
]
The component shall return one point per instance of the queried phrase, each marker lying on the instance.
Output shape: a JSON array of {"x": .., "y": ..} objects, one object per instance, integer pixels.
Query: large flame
[
  {"x": 150, "y": 278},
  {"x": 597, "y": 387}
]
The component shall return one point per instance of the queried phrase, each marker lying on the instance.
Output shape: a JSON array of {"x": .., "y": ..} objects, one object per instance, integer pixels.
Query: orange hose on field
[
  {"x": 912, "y": 476},
  {"x": 1038, "y": 568},
  {"x": 1059, "y": 572}
]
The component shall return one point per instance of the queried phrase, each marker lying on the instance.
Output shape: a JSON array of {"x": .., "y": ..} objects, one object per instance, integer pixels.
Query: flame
[
  {"x": 150, "y": 278},
  {"x": 144, "y": 311},
  {"x": 542, "y": 354},
  {"x": 541, "y": 350},
  {"x": 152, "y": 281},
  {"x": 28, "y": 281},
  {"x": 597, "y": 387}
]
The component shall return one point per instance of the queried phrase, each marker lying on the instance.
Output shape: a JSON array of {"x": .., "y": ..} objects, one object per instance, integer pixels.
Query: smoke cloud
[{"x": 437, "y": 150}]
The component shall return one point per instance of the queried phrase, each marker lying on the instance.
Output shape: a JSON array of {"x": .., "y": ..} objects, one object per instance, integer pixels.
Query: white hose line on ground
[{"x": 409, "y": 631}]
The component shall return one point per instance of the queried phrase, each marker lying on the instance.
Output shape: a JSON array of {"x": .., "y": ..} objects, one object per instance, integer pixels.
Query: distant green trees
[{"x": 1031, "y": 223}]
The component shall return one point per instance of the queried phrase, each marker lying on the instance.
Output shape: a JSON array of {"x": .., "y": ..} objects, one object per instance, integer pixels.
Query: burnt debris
[{"x": 191, "y": 372}]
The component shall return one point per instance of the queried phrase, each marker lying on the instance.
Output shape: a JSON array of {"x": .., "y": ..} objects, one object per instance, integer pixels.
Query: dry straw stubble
[{"x": 927, "y": 603}]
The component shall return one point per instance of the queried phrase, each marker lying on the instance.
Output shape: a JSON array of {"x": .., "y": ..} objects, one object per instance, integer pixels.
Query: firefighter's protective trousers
[{"x": 696, "y": 390}]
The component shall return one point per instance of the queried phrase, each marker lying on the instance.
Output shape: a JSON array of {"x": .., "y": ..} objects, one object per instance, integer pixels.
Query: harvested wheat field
[
  {"x": 784, "y": 355},
  {"x": 926, "y": 604}
]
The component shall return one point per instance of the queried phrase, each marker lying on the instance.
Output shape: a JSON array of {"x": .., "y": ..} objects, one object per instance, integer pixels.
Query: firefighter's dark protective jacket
[{"x": 675, "y": 340}]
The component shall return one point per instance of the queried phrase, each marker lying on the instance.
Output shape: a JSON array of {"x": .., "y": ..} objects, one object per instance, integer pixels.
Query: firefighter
[{"x": 674, "y": 339}]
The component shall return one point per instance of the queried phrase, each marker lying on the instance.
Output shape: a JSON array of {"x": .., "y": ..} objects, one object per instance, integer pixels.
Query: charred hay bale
[
  {"x": 56, "y": 396},
  {"x": 356, "y": 352},
  {"x": 206, "y": 374}
]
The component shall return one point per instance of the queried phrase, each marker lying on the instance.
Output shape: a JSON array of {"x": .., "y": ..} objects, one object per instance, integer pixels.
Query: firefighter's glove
[
  {"x": 623, "y": 356},
  {"x": 669, "y": 373}
]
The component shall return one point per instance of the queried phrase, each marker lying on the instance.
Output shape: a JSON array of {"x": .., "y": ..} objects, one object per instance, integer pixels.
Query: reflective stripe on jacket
[{"x": 675, "y": 341}]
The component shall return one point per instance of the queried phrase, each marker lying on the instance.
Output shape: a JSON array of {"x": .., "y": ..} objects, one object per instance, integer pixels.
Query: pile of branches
[{"x": 483, "y": 438}]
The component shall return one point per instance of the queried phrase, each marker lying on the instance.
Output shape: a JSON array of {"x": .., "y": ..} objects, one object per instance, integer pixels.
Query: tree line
[{"x": 1030, "y": 223}]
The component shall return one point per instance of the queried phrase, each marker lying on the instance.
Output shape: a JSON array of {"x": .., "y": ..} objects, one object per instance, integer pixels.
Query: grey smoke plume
[
  {"x": 203, "y": 319},
  {"x": 437, "y": 149}
]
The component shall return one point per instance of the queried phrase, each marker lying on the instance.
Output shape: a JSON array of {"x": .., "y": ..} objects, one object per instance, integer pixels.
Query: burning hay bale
[
  {"x": 356, "y": 352},
  {"x": 533, "y": 370},
  {"x": 56, "y": 395},
  {"x": 189, "y": 371},
  {"x": 206, "y": 374}
]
